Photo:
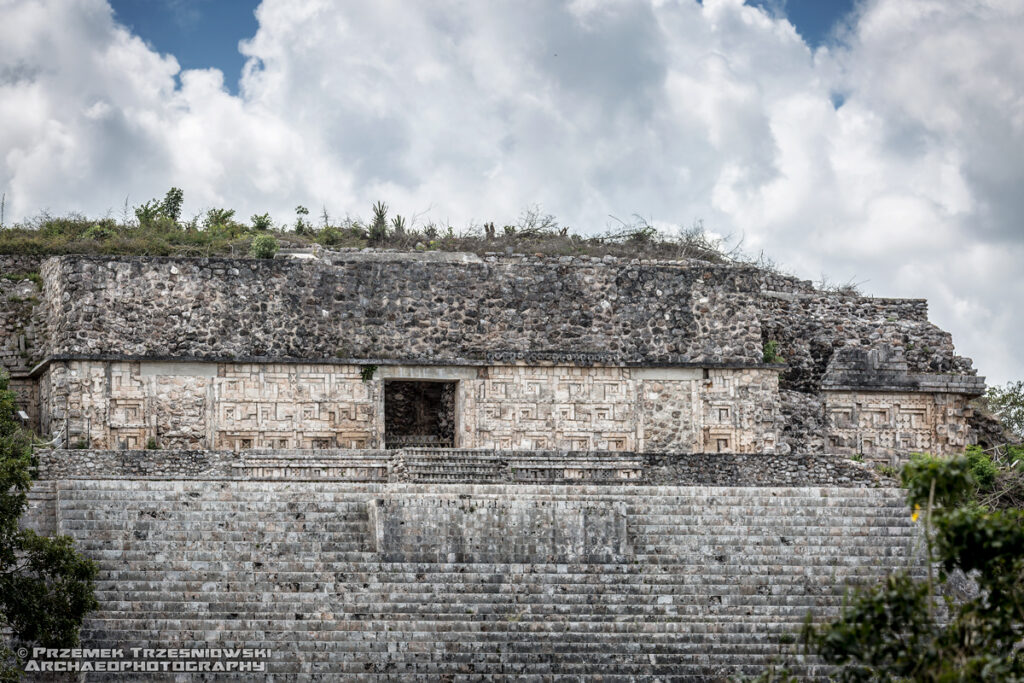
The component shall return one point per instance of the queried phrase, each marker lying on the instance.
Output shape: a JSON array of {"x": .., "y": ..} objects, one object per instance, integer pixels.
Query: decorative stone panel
[
  {"x": 241, "y": 406},
  {"x": 881, "y": 425}
]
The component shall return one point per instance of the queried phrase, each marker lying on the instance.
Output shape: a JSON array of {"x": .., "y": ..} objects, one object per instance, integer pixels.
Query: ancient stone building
[
  {"x": 421, "y": 465},
  {"x": 385, "y": 350}
]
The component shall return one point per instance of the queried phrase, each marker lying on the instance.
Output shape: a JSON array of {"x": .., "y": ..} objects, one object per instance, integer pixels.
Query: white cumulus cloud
[{"x": 472, "y": 111}]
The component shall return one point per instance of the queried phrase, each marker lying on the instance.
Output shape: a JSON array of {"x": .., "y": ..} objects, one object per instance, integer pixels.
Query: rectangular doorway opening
[{"x": 419, "y": 414}]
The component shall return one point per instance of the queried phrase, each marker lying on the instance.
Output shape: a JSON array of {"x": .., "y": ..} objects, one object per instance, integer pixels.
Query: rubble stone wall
[
  {"x": 436, "y": 312},
  {"x": 498, "y": 309},
  {"x": 22, "y": 315}
]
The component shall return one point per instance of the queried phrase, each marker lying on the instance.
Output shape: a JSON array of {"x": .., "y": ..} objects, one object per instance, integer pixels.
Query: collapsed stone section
[{"x": 811, "y": 326}]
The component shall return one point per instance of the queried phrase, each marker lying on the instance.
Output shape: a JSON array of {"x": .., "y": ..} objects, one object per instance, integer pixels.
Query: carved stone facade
[
  {"x": 210, "y": 405},
  {"x": 522, "y": 353},
  {"x": 876, "y": 407},
  {"x": 881, "y": 425},
  {"x": 129, "y": 404}
]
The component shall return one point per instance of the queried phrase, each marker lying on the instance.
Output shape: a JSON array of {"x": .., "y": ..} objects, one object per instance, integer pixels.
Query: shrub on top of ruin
[
  {"x": 163, "y": 213},
  {"x": 302, "y": 226},
  {"x": 148, "y": 212},
  {"x": 398, "y": 226},
  {"x": 261, "y": 222},
  {"x": 638, "y": 231},
  {"x": 378, "y": 230},
  {"x": 218, "y": 217},
  {"x": 532, "y": 222},
  {"x": 264, "y": 246},
  {"x": 98, "y": 233},
  {"x": 171, "y": 204}
]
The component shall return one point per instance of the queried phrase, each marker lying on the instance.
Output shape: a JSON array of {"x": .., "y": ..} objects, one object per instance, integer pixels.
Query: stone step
[{"x": 704, "y": 582}]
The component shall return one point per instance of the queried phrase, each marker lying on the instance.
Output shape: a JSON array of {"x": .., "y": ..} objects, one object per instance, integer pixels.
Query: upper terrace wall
[
  {"x": 460, "y": 309},
  {"x": 404, "y": 307}
]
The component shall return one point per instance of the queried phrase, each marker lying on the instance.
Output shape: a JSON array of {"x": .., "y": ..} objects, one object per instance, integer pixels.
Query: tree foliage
[
  {"x": 902, "y": 630},
  {"x": 46, "y": 588},
  {"x": 1007, "y": 402}
]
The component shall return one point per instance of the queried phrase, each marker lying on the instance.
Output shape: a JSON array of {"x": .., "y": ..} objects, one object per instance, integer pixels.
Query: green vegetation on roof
[{"x": 156, "y": 229}]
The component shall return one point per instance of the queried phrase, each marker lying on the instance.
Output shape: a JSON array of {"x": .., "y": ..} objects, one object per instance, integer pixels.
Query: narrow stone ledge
[{"x": 463, "y": 466}]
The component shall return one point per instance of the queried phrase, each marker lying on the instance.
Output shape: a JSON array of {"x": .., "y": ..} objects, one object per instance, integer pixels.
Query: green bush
[
  {"x": 983, "y": 469},
  {"x": 892, "y": 632},
  {"x": 46, "y": 588},
  {"x": 1007, "y": 402},
  {"x": 302, "y": 226},
  {"x": 170, "y": 207},
  {"x": 219, "y": 218},
  {"x": 379, "y": 226},
  {"x": 264, "y": 246},
  {"x": 771, "y": 352},
  {"x": 98, "y": 233}
]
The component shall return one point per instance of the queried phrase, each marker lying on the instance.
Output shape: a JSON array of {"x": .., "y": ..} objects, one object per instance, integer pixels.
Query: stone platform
[{"x": 460, "y": 581}]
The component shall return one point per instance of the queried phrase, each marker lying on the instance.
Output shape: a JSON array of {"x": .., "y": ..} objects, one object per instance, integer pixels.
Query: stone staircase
[{"x": 475, "y": 582}]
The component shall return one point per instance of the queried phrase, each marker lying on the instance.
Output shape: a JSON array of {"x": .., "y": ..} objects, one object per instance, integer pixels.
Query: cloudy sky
[{"x": 878, "y": 141}]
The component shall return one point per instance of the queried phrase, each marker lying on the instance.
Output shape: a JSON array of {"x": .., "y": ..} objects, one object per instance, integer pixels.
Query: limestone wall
[
  {"x": 22, "y": 326},
  {"x": 407, "y": 307},
  {"x": 22, "y": 314},
  {"x": 506, "y": 313},
  {"x": 110, "y": 404}
]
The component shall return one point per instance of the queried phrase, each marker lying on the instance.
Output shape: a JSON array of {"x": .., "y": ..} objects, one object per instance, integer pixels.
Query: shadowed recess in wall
[{"x": 419, "y": 414}]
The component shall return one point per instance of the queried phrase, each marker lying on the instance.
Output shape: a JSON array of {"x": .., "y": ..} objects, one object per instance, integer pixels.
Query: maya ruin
[{"x": 426, "y": 465}]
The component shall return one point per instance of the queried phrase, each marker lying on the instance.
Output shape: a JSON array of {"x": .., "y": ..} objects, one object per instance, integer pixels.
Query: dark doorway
[{"x": 419, "y": 414}]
